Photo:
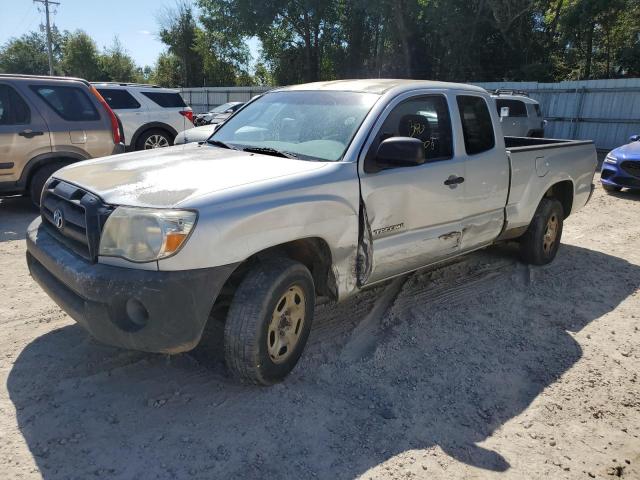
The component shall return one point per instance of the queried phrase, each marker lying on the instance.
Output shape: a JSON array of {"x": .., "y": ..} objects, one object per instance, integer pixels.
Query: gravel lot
[{"x": 485, "y": 368}]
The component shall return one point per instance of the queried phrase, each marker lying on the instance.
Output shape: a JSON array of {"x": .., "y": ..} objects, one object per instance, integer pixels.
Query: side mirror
[
  {"x": 504, "y": 112},
  {"x": 400, "y": 152},
  {"x": 634, "y": 138}
]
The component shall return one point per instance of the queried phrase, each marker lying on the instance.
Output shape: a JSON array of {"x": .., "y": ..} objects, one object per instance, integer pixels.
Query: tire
[
  {"x": 155, "y": 136},
  {"x": 611, "y": 188},
  {"x": 39, "y": 178},
  {"x": 540, "y": 243},
  {"x": 251, "y": 336}
]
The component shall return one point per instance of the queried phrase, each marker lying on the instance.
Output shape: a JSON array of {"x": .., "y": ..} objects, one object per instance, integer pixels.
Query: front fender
[{"x": 234, "y": 230}]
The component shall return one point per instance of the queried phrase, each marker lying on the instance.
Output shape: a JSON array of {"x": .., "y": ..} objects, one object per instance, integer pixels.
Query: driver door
[{"x": 415, "y": 213}]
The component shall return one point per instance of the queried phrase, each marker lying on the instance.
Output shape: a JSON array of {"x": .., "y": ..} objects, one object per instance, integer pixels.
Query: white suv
[
  {"x": 150, "y": 116},
  {"x": 525, "y": 116}
]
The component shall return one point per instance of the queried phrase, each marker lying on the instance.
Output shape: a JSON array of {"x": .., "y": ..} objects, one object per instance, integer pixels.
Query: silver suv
[
  {"x": 47, "y": 123},
  {"x": 150, "y": 116},
  {"x": 524, "y": 115}
]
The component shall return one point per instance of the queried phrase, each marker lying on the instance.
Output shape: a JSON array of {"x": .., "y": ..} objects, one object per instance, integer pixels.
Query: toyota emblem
[{"x": 58, "y": 219}]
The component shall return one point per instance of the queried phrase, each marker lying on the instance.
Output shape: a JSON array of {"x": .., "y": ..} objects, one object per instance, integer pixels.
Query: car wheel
[
  {"x": 269, "y": 321},
  {"x": 611, "y": 188},
  {"x": 155, "y": 138},
  {"x": 40, "y": 178},
  {"x": 539, "y": 245}
]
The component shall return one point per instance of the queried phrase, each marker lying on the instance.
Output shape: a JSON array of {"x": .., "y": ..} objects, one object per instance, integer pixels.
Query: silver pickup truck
[{"x": 313, "y": 190}]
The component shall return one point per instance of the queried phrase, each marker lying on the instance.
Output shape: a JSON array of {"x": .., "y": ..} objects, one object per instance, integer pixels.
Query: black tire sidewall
[
  {"x": 39, "y": 179},
  {"x": 533, "y": 243},
  {"x": 250, "y": 314},
  {"x": 273, "y": 372}
]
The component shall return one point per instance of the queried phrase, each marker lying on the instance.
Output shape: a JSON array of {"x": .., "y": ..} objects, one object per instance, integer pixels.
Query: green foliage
[
  {"x": 309, "y": 40},
  {"x": 27, "y": 55},
  {"x": 80, "y": 57},
  {"x": 117, "y": 65}
]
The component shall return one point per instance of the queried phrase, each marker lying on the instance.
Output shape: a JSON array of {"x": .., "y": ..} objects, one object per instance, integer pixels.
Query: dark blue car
[{"x": 621, "y": 167}]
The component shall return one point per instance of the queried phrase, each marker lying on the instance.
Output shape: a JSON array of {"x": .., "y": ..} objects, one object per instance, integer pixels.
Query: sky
[{"x": 135, "y": 22}]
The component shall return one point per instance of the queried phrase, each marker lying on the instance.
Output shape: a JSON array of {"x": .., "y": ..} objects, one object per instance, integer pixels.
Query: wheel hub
[
  {"x": 550, "y": 234},
  {"x": 286, "y": 324}
]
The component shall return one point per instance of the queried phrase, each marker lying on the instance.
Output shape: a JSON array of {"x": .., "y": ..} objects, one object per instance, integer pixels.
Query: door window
[
  {"x": 426, "y": 118},
  {"x": 13, "y": 109},
  {"x": 119, "y": 99},
  {"x": 70, "y": 103},
  {"x": 477, "y": 126}
]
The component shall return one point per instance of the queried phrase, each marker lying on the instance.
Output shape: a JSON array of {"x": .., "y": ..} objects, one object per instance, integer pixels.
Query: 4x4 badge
[{"x": 58, "y": 219}]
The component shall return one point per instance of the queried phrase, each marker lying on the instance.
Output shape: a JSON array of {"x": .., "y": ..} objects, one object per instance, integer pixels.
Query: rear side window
[
  {"x": 13, "y": 109},
  {"x": 119, "y": 99},
  {"x": 516, "y": 107},
  {"x": 477, "y": 126},
  {"x": 71, "y": 103},
  {"x": 166, "y": 99}
]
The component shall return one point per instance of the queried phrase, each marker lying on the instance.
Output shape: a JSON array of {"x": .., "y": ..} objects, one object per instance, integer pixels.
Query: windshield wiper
[
  {"x": 269, "y": 151},
  {"x": 218, "y": 143}
]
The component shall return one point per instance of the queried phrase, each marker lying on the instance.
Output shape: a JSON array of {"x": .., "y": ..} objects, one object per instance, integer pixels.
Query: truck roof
[{"x": 381, "y": 85}]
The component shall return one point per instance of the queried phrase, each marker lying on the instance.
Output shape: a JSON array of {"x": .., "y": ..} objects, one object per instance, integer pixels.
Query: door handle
[
  {"x": 452, "y": 181},
  {"x": 30, "y": 133}
]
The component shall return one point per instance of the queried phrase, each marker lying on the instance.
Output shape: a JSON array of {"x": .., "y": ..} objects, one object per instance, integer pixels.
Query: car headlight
[
  {"x": 145, "y": 234},
  {"x": 610, "y": 159}
]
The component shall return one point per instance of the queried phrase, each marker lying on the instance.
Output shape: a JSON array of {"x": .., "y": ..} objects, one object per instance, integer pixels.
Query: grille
[
  {"x": 632, "y": 168},
  {"x": 74, "y": 217}
]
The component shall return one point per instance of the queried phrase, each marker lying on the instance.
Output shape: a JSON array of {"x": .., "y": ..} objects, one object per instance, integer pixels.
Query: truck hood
[
  {"x": 170, "y": 176},
  {"x": 630, "y": 151}
]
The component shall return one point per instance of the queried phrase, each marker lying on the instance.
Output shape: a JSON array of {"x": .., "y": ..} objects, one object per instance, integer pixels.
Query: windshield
[{"x": 315, "y": 125}]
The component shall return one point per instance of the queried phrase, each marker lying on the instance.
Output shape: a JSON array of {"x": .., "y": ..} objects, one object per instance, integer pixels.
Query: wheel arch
[
  {"x": 35, "y": 163},
  {"x": 312, "y": 252},
  {"x": 151, "y": 126},
  {"x": 562, "y": 191}
]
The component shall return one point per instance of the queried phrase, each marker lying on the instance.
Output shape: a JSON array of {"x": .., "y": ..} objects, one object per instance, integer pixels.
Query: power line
[{"x": 46, "y": 4}]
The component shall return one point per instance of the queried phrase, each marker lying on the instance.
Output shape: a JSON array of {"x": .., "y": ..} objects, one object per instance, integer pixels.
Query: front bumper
[
  {"x": 143, "y": 310},
  {"x": 616, "y": 176}
]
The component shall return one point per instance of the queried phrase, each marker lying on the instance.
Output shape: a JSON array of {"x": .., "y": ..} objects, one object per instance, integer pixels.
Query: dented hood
[{"x": 170, "y": 176}]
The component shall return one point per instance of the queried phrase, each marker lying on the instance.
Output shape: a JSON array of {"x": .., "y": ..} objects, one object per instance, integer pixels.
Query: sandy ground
[{"x": 483, "y": 369}]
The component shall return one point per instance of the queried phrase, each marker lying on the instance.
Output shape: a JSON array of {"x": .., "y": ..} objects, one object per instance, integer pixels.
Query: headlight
[
  {"x": 610, "y": 159},
  {"x": 145, "y": 234}
]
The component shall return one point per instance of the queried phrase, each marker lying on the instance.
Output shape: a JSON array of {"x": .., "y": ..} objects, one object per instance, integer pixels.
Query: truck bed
[{"x": 538, "y": 163}]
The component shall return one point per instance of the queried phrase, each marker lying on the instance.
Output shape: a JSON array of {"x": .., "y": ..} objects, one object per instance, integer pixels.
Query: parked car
[
  {"x": 523, "y": 117},
  {"x": 151, "y": 116},
  {"x": 195, "y": 134},
  {"x": 218, "y": 114},
  {"x": 312, "y": 190},
  {"x": 621, "y": 167},
  {"x": 47, "y": 123}
]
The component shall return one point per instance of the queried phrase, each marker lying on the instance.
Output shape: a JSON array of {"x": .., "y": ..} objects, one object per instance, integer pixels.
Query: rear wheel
[
  {"x": 155, "y": 138},
  {"x": 269, "y": 321},
  {"x": 39, "y": 178},
  {"x": 611, "y": 188},
  {"x": 539, "y": 245}
]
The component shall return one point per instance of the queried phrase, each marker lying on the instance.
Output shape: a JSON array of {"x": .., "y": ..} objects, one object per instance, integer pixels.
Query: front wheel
[
  {"x": 269, "y": 321},
  {"x": 539, "y": 245}
]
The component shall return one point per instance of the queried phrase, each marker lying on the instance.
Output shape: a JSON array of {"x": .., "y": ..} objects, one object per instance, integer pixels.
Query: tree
[
  {"x": 168, "y": 71},
  {"x": 26, "y": 55},
  {"x": 80, "y": 57},
  {"x": 178, "y": 30},
  {"x": 116, "y": 64}
]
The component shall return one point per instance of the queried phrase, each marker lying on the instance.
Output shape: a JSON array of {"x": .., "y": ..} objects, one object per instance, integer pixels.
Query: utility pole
[{"x": 46, "y": 4}]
